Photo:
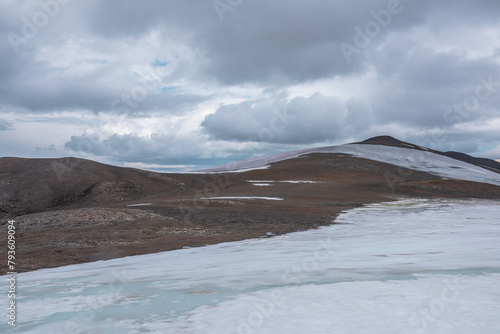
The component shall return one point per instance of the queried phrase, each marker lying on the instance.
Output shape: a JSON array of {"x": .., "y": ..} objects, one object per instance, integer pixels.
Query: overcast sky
[{"x": 179, "y": 85}]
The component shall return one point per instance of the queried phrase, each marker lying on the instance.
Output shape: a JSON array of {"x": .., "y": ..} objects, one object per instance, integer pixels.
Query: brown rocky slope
[{"x": 72, "y": 211}]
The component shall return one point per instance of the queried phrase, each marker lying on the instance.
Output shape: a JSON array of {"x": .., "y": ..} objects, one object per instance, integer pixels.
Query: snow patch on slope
[
  {"x": 281, "y": 181},
  {"x": 246, "y": 197},
  {"x": 423, "y": 161}
]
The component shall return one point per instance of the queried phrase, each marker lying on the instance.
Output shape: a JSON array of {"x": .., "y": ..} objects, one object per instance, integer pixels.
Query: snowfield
[
  {"x": 283, "y": 181},
  {"x": 245, "y": 197},
  {"x": 412, "y": 266},
  {"x": 424, "y": 161}
]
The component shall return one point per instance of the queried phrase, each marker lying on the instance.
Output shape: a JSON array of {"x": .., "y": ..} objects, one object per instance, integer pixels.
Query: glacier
[{"x": 412, "y": 266}]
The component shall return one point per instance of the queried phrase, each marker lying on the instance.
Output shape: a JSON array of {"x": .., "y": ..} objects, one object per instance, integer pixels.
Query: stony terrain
[{"x": 72, "y": 211}]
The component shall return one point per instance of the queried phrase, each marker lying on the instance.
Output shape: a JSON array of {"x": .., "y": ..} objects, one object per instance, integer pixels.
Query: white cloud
[{"x": 493, "y": 153}]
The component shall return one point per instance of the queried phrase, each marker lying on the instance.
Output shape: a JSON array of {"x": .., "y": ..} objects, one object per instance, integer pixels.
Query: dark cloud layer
[{"x": 276, "y": 72}]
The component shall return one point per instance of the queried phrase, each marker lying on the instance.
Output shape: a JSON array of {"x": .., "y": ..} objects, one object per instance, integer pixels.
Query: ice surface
[
  {"x": 427, "y": 304},
  {"x": 424, "y": 161},
  {"x": 414, "y": 266}
]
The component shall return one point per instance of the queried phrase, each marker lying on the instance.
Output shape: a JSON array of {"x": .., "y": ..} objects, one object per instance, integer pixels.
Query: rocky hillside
[{"x": 36, "y": 185}]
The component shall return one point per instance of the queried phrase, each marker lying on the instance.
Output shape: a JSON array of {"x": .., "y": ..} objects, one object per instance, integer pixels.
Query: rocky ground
[{"x": 74, "y": 211}]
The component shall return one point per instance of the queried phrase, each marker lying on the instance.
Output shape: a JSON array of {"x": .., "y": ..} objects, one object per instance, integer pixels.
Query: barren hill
[
  {"x": 72, "y": 210},
  {"x": 37, "y": 185}
]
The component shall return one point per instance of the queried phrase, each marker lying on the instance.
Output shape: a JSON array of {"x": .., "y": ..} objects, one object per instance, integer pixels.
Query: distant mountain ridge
[
  {"x": 490, "y": 164},
  {"x": 389, "y": 141}
]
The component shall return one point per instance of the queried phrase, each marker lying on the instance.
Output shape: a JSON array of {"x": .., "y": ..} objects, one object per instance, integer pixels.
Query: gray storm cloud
[
  {"x": 424, "y": 61},
  {"x": 298, "y": 121}
]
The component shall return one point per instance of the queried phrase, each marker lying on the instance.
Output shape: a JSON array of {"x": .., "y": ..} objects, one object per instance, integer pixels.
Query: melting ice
[{"x": 412, "y": 266}]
